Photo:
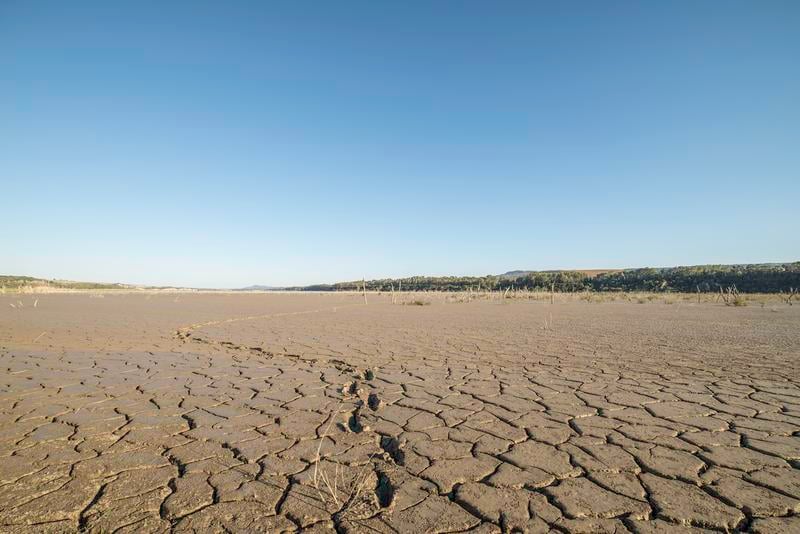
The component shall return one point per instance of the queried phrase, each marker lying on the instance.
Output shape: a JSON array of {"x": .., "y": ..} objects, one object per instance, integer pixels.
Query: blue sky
[{"x": 223, "y": 144}]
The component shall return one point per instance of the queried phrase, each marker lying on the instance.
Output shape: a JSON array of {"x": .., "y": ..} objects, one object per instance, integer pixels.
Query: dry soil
[{"x": 253, "y": 412}]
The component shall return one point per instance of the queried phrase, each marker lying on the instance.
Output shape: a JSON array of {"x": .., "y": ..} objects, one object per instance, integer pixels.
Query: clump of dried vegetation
[
  {"x": 788, "y": 296},
  {"x": 731, "y": 297},
  {"x": 344, "y": 489}
]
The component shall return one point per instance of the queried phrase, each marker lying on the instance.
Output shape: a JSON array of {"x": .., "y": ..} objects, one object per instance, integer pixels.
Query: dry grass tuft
[
  {"x": 343, "y": 492},
  {"x": 732, "y": 297}
]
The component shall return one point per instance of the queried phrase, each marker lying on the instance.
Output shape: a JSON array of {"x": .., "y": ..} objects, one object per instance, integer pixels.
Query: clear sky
[{"x": 222, "y": 144}]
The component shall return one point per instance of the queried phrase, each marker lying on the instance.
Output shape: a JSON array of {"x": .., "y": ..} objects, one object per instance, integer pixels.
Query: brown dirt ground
[{"x": 253, "y": 412}]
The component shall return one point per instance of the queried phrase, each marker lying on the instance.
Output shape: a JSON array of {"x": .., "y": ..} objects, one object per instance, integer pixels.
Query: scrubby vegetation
[
  {"x": 19, "y": 283},
  {"x": 753, "y": 278},
  {"x": 749, "y": 278}
]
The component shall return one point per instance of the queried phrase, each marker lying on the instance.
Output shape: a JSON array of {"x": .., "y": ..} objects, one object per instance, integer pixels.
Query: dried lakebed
[{"x": 242, "y": 413}]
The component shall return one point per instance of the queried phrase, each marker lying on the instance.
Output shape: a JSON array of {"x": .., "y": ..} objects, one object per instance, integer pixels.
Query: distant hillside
[
  {"x": 16, "y": 283},
  {"x": 510, "y": 275},
  {"x": 750, "y": 278}
]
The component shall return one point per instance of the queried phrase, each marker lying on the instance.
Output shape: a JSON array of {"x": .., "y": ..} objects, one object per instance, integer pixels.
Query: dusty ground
[{"x": 154, "y": 413}]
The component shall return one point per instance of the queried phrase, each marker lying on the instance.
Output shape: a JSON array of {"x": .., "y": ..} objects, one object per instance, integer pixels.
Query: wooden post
[{"x": 364, "y": 282}]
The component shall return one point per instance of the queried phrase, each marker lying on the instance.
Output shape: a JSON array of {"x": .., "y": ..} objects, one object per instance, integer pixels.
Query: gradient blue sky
[{"x": 228, "y": 143}]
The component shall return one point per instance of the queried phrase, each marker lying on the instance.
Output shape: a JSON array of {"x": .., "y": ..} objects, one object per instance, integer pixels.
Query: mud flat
[{"x": 253, "y": 412}]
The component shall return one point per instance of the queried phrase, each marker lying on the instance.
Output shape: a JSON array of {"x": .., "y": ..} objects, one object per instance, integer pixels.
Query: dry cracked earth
[{"x": 247, "y": 413}]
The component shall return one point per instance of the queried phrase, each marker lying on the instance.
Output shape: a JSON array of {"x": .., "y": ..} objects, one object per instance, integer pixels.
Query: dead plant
[
  {"x": 732, "y": 297},
  {"x": 338, "y": 491},
  {"x": 790, "y": 295}
]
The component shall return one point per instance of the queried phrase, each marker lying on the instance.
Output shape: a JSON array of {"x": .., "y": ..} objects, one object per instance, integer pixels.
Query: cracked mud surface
[{"x": 243, "y": 413}]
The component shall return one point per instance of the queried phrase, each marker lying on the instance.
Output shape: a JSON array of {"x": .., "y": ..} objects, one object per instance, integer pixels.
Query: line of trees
[{"x": 750, "y": 278}]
